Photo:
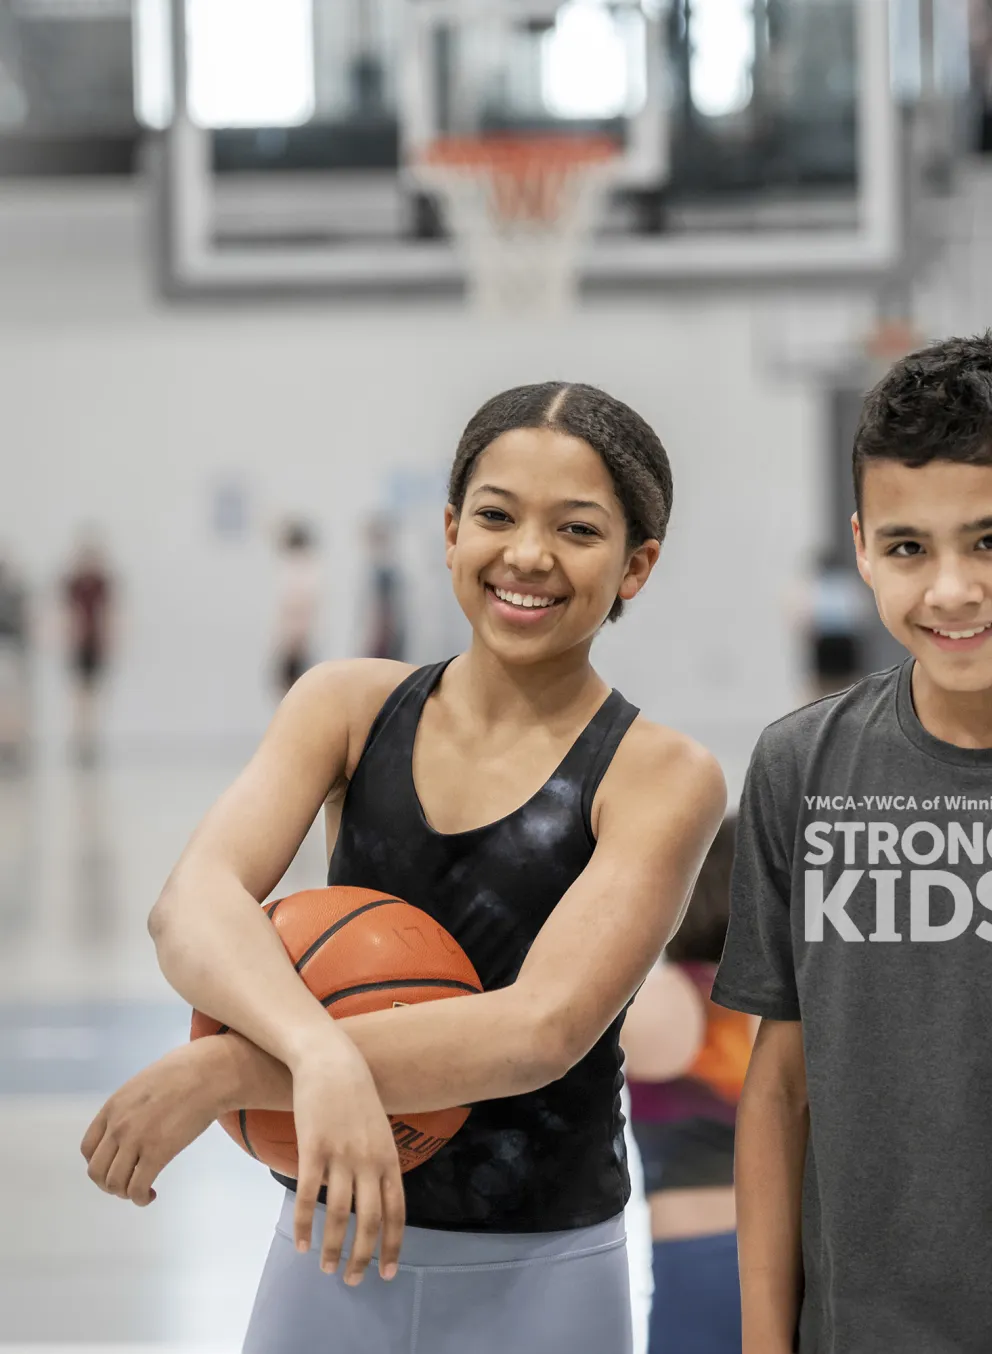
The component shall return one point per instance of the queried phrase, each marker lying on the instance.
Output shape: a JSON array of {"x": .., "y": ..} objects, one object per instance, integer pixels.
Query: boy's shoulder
[{"x": 841, "y": 716}]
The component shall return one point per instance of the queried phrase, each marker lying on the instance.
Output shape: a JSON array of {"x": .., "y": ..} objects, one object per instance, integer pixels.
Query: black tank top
[{"x": 552, "y": 1159}]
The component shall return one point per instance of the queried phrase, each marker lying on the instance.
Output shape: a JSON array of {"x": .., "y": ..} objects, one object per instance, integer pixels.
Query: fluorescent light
[
  {"x": 722, "y": 59},
  {"x": 250, "y": 62},
  {"x": 585, "y": 64}
]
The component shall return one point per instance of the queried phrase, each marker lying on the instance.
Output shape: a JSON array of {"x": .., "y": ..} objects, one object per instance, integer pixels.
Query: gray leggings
[{"x": 455, "y": 1293}]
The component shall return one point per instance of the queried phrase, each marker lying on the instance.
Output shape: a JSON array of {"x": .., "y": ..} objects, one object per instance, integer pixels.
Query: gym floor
[{"x": 83, "y": 853}]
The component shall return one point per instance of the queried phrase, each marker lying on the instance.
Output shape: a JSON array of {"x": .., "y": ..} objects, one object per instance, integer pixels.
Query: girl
[
  {"x": 686, "y": 1059},
  {"x": 555, "y": 833}
]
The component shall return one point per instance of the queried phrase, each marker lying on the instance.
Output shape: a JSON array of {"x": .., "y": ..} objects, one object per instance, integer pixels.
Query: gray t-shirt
[{"x": 862, "y": 906}]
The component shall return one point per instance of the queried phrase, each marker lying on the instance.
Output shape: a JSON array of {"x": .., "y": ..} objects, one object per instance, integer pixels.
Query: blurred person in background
[
  {"x": 385, "y": 636},
  {"x": 686, "y": 1059},
  {"x": 298, "y": 604},
  {"x": 832, "y": 612},
  {"x": 14, "y": 717},
  {"x": 88, "y": 595}
]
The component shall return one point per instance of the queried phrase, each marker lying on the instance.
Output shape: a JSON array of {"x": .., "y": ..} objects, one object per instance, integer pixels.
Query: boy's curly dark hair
[
  {"x": 630, "y": 449},
  {"x": 934, "y": 405}
]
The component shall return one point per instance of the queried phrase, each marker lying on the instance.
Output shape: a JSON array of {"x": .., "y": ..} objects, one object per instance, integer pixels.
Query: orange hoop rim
[{"x": 514, "y": 154}]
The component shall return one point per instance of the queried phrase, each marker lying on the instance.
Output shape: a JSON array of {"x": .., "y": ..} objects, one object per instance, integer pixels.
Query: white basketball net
[{"x": 520, "y": 224}]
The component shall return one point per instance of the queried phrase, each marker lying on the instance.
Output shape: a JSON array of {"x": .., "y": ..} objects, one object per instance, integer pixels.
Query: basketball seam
[
  {"x": 333, "y": 930},
  {"x": 451, "y": 983}
]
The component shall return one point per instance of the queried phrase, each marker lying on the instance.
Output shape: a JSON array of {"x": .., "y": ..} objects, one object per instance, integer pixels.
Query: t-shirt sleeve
[{"x": 757, "y": 971}]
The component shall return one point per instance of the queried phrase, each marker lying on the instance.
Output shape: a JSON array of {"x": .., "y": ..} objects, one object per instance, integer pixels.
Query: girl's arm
[
  {"x": 214, "y": 944},
  {"x": 772, "y": 1134},
  {"x": 219, "y": 951}
]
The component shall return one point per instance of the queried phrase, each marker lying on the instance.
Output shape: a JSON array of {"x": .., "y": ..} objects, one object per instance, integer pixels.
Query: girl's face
[{"x": 539, "y": 553}]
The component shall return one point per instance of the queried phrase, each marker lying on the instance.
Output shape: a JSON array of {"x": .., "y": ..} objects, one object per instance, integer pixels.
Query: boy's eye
[
  {"x": 910, "y": 549},
  {"x": 492, "y": 515},
  {"x": 582, "y": 529}
]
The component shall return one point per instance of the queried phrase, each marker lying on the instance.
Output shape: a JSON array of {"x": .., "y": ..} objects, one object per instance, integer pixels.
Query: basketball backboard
[{"x": 772, "y": 157}]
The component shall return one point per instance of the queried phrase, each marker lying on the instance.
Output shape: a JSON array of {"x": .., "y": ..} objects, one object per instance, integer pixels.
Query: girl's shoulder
[
  {"x": 660, "y": 767},
  {"x": 348, "y": 692},
  {"x": 650, "y": 750}
]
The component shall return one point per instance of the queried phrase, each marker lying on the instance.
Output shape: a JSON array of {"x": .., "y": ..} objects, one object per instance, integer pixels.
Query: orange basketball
[{"x": 357, "y": 951}]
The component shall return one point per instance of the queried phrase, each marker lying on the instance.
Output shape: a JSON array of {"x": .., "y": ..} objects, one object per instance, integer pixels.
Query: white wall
[{"x": 118, "y": 409}]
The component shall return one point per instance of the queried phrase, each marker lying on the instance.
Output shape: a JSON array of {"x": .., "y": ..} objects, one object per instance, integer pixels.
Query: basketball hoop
[
  {"x": 519, "y": 207},
  {"x": 891, "y": 340}
]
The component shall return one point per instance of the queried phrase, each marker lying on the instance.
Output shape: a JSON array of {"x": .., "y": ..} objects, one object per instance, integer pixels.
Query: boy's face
[{"x": 924, "y": 546}]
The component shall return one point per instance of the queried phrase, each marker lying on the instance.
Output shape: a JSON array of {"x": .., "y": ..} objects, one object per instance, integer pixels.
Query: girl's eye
[
  {"x": 582, "y": 529},
  {"x": 492, "y": 515},
  {"x": 985, "y": 543}
]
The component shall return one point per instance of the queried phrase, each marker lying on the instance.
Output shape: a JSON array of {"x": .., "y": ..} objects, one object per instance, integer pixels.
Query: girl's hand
[
  {"x": 345, "y": 1141},
  {"x": 151, "y": 1119}
]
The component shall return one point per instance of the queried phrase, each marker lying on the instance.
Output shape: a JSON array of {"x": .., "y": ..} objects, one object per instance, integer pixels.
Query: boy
[{"x": 861, "y": 922}]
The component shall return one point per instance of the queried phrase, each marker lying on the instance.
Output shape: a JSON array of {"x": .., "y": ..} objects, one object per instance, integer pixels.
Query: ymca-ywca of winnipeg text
[{"x": 897, "y": 803}]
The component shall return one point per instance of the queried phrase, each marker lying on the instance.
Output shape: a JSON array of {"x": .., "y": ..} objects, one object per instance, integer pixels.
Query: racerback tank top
[{"x": 552, "y": 1159}]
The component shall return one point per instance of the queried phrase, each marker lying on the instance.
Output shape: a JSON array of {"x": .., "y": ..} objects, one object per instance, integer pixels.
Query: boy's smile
[{"x": 959, "y": 640}]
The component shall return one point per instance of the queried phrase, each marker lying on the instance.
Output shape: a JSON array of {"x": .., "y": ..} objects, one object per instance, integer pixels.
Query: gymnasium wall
[{"x": 122, "y": 411}]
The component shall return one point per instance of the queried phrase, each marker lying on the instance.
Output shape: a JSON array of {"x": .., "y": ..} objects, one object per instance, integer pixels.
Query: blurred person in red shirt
[{"x": 88, "y": 593}]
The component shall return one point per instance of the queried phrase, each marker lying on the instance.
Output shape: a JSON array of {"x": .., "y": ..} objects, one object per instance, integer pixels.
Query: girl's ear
[
  {"x": 450, "y": 532},
  {"x": 639, "y": 568}
]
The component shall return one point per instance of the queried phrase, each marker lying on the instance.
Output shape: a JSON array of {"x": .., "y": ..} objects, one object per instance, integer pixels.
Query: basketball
[{"x": 357, "y": 951}]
